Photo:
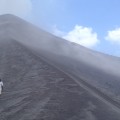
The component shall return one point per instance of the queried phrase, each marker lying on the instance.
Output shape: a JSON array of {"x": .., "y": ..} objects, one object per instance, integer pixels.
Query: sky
[{"x": 91, "y": 23}]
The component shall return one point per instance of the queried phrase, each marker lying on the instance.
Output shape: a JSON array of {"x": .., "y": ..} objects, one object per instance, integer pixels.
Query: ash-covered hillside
[
  {"x": 49, "y": 78},
  {"x": 35, "y": 90},
  {"x": 99, "y": 69}
]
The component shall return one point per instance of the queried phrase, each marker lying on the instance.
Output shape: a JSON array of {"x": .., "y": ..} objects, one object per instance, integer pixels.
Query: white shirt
[{"x": 1, "y": 84}]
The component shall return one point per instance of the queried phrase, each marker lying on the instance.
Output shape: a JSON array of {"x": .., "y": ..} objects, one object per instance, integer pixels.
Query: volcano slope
[
  {"x": 36, "y": 90},
  {"x": 100, "y": 70},
  {"x": 49, "y": 78}
]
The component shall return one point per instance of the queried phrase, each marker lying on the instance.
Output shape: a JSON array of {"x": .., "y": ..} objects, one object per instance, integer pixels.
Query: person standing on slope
[{"x": 1, "y": 86}]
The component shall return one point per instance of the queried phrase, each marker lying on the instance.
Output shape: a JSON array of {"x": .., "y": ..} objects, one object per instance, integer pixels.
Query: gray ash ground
[{"x": 35, "y": 90}]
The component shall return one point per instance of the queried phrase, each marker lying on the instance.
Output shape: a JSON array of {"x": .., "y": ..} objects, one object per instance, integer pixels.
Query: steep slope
[
  {"x": 34, "y": 86},
  {"x": 99, "y": 69},
  {"x": 35, "y": 90}
]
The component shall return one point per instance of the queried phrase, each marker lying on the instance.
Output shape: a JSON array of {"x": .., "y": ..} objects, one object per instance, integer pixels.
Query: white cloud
[
  {"x": 80, "y": 35},
  {"x": 20, "y": 8},
  {"x": 114, "y": 35}
]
